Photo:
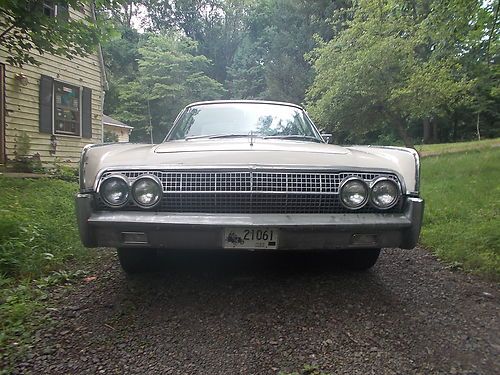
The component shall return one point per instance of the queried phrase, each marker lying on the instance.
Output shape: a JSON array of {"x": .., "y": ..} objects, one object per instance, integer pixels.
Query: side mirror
[{"x": 327, "y": 137}]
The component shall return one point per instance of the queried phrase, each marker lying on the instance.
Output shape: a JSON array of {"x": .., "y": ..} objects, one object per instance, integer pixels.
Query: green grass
[
  {"x": 442, "y": 148},
  {"x": 38, "y": 236},
  {"x": 462, "y": 222}
]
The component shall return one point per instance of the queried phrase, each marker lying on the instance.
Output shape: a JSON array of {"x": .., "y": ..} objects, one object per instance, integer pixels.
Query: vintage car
[{"x": 251, "y": 175}]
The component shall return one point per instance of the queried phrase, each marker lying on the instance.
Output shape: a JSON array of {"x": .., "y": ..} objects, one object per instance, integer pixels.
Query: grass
[
  {"x": 442, "y": 148},
  {"x": 38, "y": 236},
  {"x": 461, "y": 224}
]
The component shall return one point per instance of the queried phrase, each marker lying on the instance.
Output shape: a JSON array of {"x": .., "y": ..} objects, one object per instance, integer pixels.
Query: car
[{"x": 248, "y": 175}]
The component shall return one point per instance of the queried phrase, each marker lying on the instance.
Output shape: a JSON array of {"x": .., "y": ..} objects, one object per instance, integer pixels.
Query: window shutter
[
  {"x": 86, "y": 113},
  {"x": 46, "y": 92},
  {"x": 62, "y": 11}
]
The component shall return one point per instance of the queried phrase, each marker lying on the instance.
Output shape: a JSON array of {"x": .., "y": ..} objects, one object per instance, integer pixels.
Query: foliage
[
  {"x": 23, "y": 161},
  {"x": 37, "y": 226},
  {"x": 390, "y": 71},
  {"x": 462, "y": 209},
  {"x": 110, "y": 137},
  {"x": 64, "y": 172},
  {"x": 27, "y": 30},
  {"x": 395, "y": 63},
  {"x": 170, "y": 75},
  {"x": 269, "y": 62},
  {"x": 38, "y": 236}
]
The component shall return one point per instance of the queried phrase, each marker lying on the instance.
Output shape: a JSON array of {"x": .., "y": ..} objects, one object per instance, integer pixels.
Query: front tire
[
  {"x": 359, "y": 259},
  {"x": 137, "y": 260}
]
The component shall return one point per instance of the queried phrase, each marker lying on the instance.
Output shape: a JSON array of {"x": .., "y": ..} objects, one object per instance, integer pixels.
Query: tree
[
  {"x": 397, "y": 62},
  {"x": 269, "y": 63},
  {"x": 170, "y": 76},
  {"x": 33, "y": 26}
]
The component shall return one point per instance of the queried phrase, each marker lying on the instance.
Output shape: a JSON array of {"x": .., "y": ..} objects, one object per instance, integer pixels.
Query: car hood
[{"x": 239, "y": 153}]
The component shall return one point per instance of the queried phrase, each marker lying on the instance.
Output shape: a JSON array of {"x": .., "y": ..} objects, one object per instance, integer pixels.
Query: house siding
[
  {"x": 123, "y": 134},
  {"x": 22, "y": 102}
]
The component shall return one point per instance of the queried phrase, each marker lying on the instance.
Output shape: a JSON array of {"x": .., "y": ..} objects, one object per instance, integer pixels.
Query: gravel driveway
[{"x": 266, "y": 313}]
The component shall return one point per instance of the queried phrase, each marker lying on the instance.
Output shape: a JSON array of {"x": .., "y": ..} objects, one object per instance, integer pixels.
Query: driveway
[{"x": 270, "y": 313}]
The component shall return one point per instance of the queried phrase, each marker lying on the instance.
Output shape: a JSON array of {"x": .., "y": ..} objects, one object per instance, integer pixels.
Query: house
[
  {"x": 114, "y": 130},
  {"x": 57, "y": 104}
]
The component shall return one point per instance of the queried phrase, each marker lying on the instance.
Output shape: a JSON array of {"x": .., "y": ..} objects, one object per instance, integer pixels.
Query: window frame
[
  {"x": 54, "y": 110},
  {"x": 53, "y": 7}
]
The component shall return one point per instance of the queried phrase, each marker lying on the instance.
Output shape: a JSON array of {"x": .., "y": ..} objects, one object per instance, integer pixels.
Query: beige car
[{"x": 248, "y": 175}]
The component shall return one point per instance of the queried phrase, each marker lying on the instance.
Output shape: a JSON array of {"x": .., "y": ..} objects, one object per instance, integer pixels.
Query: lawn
[
  {"x": 462, "y": 222},
  {"x": 442, "y": 148},
  {"x": 38, "y": 237}
]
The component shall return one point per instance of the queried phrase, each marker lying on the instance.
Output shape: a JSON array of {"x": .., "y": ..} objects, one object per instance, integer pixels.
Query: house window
[
  {"x": 57, "y": 9},
  {"x": 67, "y": 109},
  {"x": 49, "y": 8}
]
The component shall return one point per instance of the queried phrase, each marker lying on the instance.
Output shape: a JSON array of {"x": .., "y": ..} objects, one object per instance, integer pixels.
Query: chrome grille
[
  {"x": 244, "y": 191},
  {"x": 250, "y": 181}
]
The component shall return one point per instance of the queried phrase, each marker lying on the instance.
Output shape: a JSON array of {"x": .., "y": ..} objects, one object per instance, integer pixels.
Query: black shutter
[
  {"x": 62, "y": 11},
  {"x": 46, "y": 105},
  {"x": 87, "y": 113}
]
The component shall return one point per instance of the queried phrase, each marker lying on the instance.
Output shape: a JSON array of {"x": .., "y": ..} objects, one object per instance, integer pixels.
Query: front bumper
[{"x": 198, "y": 231}]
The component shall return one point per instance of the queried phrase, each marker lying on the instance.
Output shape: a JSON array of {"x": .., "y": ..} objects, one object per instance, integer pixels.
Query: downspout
[{"x": 104, "y": 79}]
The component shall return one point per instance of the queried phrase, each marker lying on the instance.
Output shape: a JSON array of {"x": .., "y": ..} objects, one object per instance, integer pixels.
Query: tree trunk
[
  {"x": 398, "y": 124},
  {"x": 427, "y": 130},
  {"x": 435, "y": 135},
  {"x": 477, "y": 128},
  {"x": 455, "y": 125}
]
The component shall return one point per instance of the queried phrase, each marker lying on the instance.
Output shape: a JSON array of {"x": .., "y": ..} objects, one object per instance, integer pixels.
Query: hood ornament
[{"x": 251, "y": 138}]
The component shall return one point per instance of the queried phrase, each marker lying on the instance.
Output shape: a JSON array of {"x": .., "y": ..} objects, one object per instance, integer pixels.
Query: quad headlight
[
  {"x": 353, "y": 193},
  {"x": 147, "y": 191},
  {"x": 114, "y": 190},
  {"x": 385, "y": 193}
]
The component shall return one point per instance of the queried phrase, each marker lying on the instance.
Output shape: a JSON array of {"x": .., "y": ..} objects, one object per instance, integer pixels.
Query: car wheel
[
  {"x": 359, "y": 259},
  {"x": 136, "y": 260}
]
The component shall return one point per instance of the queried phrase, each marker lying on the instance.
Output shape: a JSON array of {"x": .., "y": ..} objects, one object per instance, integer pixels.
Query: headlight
[
  {"x": 114, "y": 190},
  {"x": 353, "y": 193},
  {"x": 385, "y": 193},
  {"x": 147, "y": 191}
]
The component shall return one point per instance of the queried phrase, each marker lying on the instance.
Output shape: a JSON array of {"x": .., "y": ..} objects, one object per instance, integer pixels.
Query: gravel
[{"x": 255, "y": 313}]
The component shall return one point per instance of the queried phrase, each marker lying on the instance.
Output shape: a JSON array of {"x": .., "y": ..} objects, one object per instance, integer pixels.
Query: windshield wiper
[
  {"x": 297, "y": 137},
  {"x": 234, "y": 135},
  {"x": 215, "y": 136}
]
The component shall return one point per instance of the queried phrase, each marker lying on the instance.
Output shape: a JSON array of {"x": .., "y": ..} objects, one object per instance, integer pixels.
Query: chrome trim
[
  {"x": 416, "y": 157},
  {"x": 158, "y": 183},
  {"x": 121, "y": 177},
  {"x": 398, "y": 197},
  {"x": 83, "y": 162},
  {"x": 252, "y": 101},
  {"x": 362, "y": 204}
]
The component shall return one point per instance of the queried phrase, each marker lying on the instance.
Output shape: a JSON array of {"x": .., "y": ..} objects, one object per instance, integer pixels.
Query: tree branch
[{"x": 5, "y": 32}]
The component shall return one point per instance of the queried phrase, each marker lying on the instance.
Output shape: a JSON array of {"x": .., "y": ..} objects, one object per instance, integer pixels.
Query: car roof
[{"x": 244, "y": 101}]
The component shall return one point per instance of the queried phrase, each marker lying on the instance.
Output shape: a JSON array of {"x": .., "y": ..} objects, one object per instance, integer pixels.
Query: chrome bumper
[{"x": 205, "y": 231}]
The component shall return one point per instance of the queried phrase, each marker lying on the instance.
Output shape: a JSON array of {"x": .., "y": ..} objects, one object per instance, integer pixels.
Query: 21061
[{"x": 258, "y": 234}]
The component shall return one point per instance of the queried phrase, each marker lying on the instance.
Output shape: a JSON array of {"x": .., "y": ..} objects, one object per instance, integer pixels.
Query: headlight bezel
[
  {"x": 367, "y": 192},
  {"x": 396, "y": 199},
  {"x": 106, "y": 181},
  {"x": 158, "y": 183}
]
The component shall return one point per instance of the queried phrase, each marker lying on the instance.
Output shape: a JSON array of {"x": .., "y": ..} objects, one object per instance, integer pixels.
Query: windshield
[{"x": 242, "y": 119}]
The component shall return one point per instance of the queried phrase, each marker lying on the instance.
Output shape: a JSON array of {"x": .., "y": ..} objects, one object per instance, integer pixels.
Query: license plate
[{"x": 250, "y": 238}]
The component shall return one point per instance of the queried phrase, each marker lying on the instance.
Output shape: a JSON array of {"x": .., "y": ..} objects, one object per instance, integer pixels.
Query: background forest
[{"x": 368, "y": 71}]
